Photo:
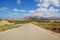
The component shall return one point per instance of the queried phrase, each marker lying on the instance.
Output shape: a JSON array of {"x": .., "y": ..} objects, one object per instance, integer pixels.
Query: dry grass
[
  {"x": 48, "y": 25},
  {"x": 5, "y": 25}
]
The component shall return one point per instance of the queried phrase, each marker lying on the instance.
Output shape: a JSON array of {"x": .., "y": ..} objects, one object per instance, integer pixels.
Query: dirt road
[{"x": 27, "y": 32}]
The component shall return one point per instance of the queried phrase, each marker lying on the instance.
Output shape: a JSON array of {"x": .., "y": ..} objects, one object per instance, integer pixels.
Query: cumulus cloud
[
  {"x": 32, "y": 11},
  {"x": 18, "y": 10},
  {"x": 55, "y": 2},
  {"x": 19, "y": 1},
  {"x": 44, "y": 12},
  {"x": 46, "y": 3},
  {"x": 45, "y": 9},
  {"x": 3, "y": 9},
  {"x": 22, "y": 10},
  {"x": 15, "y": 10},
  {"x": 52, "y": 10}
]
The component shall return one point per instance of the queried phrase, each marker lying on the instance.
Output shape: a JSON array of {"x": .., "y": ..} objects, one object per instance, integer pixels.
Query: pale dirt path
[{"x": 27, "y": 32}]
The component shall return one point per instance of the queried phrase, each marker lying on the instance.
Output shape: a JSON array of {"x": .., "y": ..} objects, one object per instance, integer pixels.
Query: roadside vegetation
[
  {"x": 53, "y": 25},
  {"x": 6, "y": 25}
]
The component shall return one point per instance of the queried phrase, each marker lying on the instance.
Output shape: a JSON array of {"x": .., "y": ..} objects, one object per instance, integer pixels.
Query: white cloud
[
  {"x": 39, "y": 1},
  {"x": 15, "y": 10},
  {"x": 3, "y": 9},
  {"x": 22, "y": 10},
  {"x": 44, "y": 12},
  {"x": 55, "y": 2},
  {"x": 18, "y": 10},
  {"x": 47, "y": 3},
  {"x": 32, "y": 11},
  {"x": 52, "y": 10},
  {"x": 19, "y": 1},
  {"x": 44, "y": 9}
]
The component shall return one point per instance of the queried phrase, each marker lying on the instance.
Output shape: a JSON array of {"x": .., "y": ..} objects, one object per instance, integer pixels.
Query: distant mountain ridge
[
  {"x": 41, "y": 18},
  {"x": 33, "y": 18}
]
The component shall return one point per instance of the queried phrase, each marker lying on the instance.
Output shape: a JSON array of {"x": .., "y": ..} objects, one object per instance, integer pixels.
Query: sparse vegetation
[
  {"x": 5, "y": 25},
  {"x": 49, "y": 24}
]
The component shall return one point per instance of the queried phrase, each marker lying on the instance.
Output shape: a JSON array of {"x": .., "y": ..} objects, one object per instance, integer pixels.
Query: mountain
[
  {"x": 54, "y": 18},
  {"x": 41, "y": 18},
  {"x": 32, "y": 18}
]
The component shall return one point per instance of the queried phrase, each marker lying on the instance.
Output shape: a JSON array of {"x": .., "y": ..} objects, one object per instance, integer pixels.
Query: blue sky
[
  {"x": 25, "y": 4},
  {"x": 22, "y": 8}
]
